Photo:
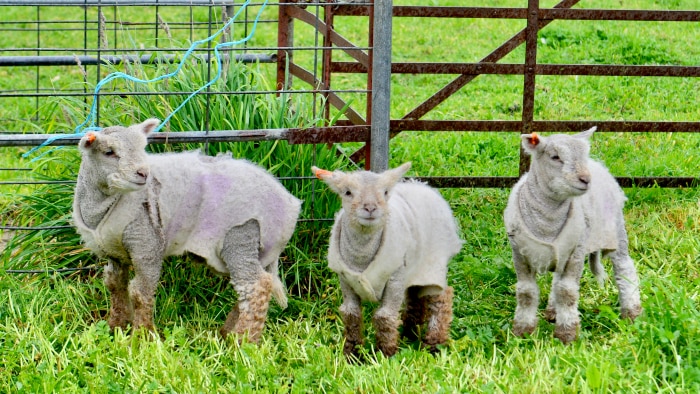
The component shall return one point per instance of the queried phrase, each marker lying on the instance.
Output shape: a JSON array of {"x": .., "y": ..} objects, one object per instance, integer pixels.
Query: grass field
[{"x": 54, "y": 337}]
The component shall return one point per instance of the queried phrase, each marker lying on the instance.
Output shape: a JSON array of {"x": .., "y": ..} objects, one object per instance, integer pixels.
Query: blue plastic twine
[{"x": 81, "y": 129}]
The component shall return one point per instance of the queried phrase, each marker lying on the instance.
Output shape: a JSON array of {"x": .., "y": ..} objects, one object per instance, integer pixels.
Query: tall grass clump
[{"x": 246, "y": 105}]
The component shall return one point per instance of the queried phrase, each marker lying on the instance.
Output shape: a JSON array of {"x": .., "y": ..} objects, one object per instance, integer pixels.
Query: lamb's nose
[
  {"x": 585, "y": 178},
  {"x": 142, "y": 173}
]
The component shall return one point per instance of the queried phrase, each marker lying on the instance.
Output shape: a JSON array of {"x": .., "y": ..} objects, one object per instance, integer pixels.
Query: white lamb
[
  {"x": 135, "y": 209},
  {"x": 566, "y": 208},
  {"x": 391, "y": 243}
]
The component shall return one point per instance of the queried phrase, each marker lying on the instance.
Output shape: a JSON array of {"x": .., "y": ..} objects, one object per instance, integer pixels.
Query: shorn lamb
[
  {"x": 565, "y": 208},
  {"x": 391, "y": 244},
  {"x": 135, "y": 209}
]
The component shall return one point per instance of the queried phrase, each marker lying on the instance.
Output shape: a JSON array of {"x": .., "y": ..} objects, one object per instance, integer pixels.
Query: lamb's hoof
[
  {"x": 520, "y": 330},
  {"x": 631, "y": 313},
  {"x": 566, "y": 334},
  {"x": 550, "y": 315},
  {"x": 352, "y": 352},
  {"x": 117, "y": 323},
  {"x": 389, "y": 350}
]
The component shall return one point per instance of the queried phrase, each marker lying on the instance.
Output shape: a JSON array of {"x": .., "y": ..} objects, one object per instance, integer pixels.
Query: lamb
[
  {"x": 565, "y": 208},
  {"x": 391, "y": 243},
  {"x": 135, "y": 208}
]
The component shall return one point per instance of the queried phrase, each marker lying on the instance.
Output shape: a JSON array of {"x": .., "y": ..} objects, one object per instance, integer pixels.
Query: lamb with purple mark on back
[
  {"x": 135, "y": 209},
  {"x": 565, "y": 208},
  {"x": 391, "y": 244}
]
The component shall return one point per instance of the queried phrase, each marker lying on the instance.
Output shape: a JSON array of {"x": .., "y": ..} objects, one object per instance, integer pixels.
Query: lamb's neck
[
  {"x": 359, "y": 244},
  {"x": 544, "y": 215},
  {"x": 93, "y": 204}
]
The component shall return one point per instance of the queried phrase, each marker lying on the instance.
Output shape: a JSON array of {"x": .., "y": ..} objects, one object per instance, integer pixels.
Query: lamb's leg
[
  {"x": 626, "y": 278},
  {"x": 241, "y": 252},
  {"x": 146, "y": 249},
  {"x": 116, "y": 279},
  {"x": 414, "y": 314},
  {"x": 550, "y": 312},
  {"x": 527, "y": 296},
  {"x": 386, "y": 318},
  {"x": 566, "y": 290},
  {"x": 439, "y": 317},
  {"x": 351, "y": 312}
]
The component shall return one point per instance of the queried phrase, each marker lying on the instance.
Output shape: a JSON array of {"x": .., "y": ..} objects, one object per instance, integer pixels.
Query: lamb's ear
[
  {"x": 331, "y": 178},
  {"x": 88, "y": 141},
  {"x": 532, "y": 142},
  {"x": 149, "y": 125},
  {"x": 586, "y": 134},
  {"x": 391, "y": 177}
]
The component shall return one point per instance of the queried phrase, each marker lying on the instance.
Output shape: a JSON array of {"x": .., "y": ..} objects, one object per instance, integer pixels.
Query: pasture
[{"x": 53, "y": 333}]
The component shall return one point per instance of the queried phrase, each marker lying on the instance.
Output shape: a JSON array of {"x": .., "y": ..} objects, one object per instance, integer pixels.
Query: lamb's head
[
  {"x": 364, "y": 194},
  {"x": 560, "y": 162},
  {"x": 115, "y": 158}
]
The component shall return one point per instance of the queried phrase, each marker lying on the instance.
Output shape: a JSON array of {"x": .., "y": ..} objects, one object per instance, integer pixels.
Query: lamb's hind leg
[
  {"x": 116, "y": 279},
  {"x": 414, "y": 314},
  {"x": 439, "y": 318},
  {"x": 626, "y": 278},
  {"x": 241, "y": 252}
]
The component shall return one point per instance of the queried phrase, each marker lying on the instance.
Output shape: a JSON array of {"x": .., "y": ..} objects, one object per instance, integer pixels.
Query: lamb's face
[
  {"x": 116, "y": 157},
  {"x": 364, "y": 194},
  {"x": 561, "y": 163},
  {"x": 364, "y": 197}
]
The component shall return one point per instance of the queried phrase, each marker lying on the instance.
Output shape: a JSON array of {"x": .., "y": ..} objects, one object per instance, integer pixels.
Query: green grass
[{"x": 54, "y": 337}]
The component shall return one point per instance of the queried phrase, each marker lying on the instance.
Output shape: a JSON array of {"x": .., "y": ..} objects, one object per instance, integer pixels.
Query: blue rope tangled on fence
[{"x": 90, "y": 122}]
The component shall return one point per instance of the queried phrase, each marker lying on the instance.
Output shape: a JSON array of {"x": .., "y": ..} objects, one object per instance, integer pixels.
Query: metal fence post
[{"x": 381, "y": 85}]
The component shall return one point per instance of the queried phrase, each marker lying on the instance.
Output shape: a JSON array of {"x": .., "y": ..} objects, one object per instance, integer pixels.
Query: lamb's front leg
[
  {"x": 116, "y": 279},
  {"x": 566, "y": 296},
  {"x": 527, "y": 296},
  {"x": 351, "y": 313},
  {"x": 241, "y": 253},
  {"x": 386, "y": 319},
  {"x": 146, "y": 248}
]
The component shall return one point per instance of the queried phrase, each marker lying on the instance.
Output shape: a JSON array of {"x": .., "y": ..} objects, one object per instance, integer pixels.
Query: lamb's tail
[
  {"x": 594, "y": 261},
  {"x": 278, "y": 291}
]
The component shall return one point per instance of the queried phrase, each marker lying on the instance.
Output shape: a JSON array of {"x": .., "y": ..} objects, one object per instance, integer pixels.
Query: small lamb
[
  {"x": 566, "y": 208},
  {"x": 391, "y": 243},
  {"x": 136, "y": 208}
]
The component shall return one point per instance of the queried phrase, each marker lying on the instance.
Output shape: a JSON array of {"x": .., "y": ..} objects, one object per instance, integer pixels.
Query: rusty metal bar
[
  {"x": 285, "y": 39},
  {"x": 312, "y": 135},
  {"x": 400, "y": 125},
  {"x": 521, "y": 13},
  {"x": 621, "y": 15},
  {"x": 437, "y": 12},
  {"x": 506, "y": 182},
  {"x": 515, "y": 69}
]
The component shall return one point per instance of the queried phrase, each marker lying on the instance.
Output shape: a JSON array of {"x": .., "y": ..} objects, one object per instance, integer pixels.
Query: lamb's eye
[
  {"x": 109, "y": 153},
  {"x": 348, "y": 193},
  {"x": 556, "y": 158},
  {"x": 386, "y": 193}
]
